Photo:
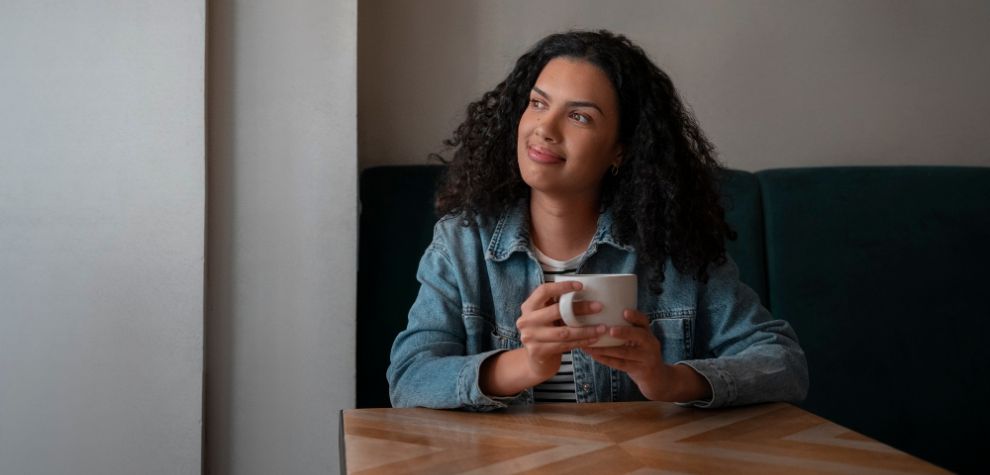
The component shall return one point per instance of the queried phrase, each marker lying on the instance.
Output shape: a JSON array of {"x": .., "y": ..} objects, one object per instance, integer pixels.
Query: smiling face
[{"x": 568, "y": 134}]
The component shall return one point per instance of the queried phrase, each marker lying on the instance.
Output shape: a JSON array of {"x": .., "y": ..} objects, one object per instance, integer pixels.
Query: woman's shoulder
[
  {"x": 462, "y": 231},
  {"x": 718, "y": 272},
  {"x": 462, "y": 222}
]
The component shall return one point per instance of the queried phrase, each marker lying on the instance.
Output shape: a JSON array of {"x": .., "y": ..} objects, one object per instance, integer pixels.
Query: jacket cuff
[
  {"x": 469, "y": 386},
  {"x": 722, "y": 384}
]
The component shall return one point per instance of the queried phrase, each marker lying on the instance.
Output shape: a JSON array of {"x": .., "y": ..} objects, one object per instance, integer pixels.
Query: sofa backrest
[
  {"x": 884, "y": 272},
  {"x": 743, "y": 204},
  {"x": 396, "y": 225}
]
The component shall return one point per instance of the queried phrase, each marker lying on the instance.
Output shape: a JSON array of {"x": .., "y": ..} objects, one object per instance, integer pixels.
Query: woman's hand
[
  {"x": 641, "y": 358},
  {"x": 544, "y": 335}
]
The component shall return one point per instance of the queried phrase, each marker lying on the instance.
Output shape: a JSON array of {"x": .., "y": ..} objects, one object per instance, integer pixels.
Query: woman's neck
[{"x": 562, "y": 228}]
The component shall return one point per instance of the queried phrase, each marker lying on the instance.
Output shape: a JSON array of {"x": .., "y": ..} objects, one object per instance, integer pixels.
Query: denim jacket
[{"x": 474, "y": 280}]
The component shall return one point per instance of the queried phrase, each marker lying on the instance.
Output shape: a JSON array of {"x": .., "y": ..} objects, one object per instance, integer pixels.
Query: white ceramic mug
[{"x": 616, "y": 292}]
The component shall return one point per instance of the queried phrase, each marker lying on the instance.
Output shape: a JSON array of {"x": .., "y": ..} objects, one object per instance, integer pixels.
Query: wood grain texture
[{"x": 636, "y": 437}]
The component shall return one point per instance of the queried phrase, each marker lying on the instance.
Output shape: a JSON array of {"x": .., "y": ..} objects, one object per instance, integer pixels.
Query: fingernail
[
  {"x": 595, "y": 306},
  {"x": 601, "y": 329},
  {"x": 575, "y": 285}
]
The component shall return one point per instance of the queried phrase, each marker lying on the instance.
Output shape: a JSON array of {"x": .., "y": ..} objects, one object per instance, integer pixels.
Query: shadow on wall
[
  {"x": 394, "y": 104},
  {"x": 220, "y": 237}
]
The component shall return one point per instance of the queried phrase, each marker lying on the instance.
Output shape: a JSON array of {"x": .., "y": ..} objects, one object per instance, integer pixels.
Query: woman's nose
[{"x": 546, "y": 129}]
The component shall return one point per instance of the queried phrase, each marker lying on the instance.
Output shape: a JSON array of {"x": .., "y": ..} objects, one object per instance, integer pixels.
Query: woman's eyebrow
[{"x": 571, "y": 103}]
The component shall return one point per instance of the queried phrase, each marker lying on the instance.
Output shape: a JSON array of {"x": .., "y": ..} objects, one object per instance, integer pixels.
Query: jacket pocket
[
  {"x": 483, "y": 335},
  {"x": 675, "y": 331},
  {"x": 504, "y": 339}
]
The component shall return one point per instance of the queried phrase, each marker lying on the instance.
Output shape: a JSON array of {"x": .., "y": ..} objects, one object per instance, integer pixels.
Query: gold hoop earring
[{"x": 615, "y": 170}]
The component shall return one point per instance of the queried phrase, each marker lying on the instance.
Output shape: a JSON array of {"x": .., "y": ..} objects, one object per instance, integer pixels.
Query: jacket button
[{"x": 587, "y": 387}]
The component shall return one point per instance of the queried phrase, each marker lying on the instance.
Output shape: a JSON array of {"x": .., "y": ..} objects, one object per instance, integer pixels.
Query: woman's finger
[
  {"x": 575, "y": 344},
  {"x": 637, "y": 336},
  {"x": 635, "y": 354},
  {"x": 636, "y": 318},
  {"x": 545, "y": 292},
  {"x": 542, "y": 317},
  {"x": 612, "y": 362},
  {"x": 550, "y": 314},
  {"x": 561, "y": 334},
  {"x": 587, "y": 307},
  {"x": 542, "y": 350}
]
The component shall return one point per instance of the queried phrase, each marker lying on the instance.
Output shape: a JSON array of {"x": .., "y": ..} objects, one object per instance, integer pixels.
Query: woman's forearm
[
  {"x": 677, "y": 383},
  {"x": 507, "y": 374},
  {"x": 690, "y": 385}
]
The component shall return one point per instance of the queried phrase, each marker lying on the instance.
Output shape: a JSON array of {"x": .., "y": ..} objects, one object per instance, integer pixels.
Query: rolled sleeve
[
  {"x": 469, "y": 387},
  {"x": 720, "y": 382},
  {"x": 430, "y": 365},
  {"x": 750, "y": 357}
]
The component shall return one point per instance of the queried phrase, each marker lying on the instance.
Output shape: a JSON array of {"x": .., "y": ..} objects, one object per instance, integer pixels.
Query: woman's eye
[
  {"x": 536, "y": 104},
  {"x": 581, "y": 118}
]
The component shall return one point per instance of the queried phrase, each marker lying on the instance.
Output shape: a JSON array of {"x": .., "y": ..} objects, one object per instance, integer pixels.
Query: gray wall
[
  {"x": 102, "y": 185},
  {"x": 282, "y": 234},
  {"x": 101, "y": 236},
  {"x": 774, "y": 83}
]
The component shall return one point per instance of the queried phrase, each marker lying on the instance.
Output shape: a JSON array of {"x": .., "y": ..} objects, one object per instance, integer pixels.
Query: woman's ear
[{"x": 617, "y": 160}]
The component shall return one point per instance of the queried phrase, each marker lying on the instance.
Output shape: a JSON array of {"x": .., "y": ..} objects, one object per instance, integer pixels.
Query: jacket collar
[{"x": 511, "y": 234}]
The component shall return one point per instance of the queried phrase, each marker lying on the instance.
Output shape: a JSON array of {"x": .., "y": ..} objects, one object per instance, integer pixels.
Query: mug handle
[{"x": 566, "y": 305}]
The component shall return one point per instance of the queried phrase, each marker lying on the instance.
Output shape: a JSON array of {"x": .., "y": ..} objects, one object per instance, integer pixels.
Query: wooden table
[{"x": 634, "y": 437}]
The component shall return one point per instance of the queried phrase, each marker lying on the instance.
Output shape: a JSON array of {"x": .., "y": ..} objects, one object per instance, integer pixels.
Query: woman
[{"x": 584, "y": 160}]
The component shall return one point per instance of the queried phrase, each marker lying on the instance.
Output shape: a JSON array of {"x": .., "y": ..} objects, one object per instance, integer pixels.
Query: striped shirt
[{"x": 559, "y": 388}]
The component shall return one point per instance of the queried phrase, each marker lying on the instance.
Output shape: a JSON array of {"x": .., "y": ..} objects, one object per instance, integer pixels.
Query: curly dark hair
[{"x": 664, "y": 199}]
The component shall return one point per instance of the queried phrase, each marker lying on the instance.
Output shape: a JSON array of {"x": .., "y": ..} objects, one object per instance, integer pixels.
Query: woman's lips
[{"x": 543, "y": 155}]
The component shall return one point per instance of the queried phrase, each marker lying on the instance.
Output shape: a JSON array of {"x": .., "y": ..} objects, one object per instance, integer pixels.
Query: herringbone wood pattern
[{"x": 638, "y": 437}]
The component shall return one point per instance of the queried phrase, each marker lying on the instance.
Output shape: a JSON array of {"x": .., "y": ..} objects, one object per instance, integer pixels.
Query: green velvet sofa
[{"x": 884, "y": 272}]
